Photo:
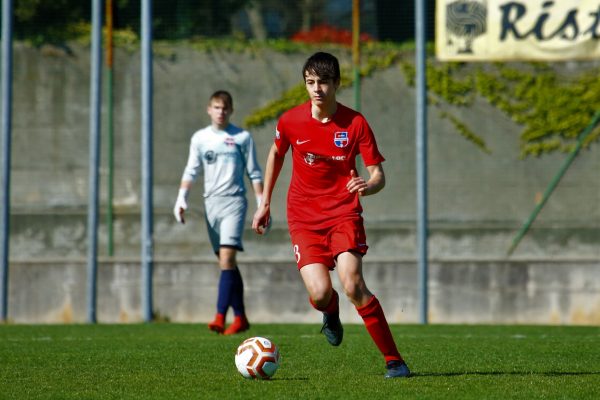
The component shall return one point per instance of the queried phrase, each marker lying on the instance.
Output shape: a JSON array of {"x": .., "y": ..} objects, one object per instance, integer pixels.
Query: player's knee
[
  {"x": 320, "y": 297},
  {"x": 355, "y": 290},
  {"x": 350, "y": 285},
  {"x": 227, "y": 262},
  {"x": 227, "y": 259},
  {"x": 351, "y": 292}
]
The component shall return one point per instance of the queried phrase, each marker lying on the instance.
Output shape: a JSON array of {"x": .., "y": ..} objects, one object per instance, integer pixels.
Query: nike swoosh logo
[{"x": 299, "y": 142}]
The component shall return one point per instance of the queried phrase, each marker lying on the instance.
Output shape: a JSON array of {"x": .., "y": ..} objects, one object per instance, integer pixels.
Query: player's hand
[
  {"x": 356, "y": 184},
  {"x": 261, "y": 223},
  {"x": 267, "y": 228},
  {"x": 179, "y": 209}
]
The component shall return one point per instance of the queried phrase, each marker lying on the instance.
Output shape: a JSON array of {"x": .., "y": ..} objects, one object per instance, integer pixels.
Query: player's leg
[
  {"x": 224, "y": 294},
  {"x": 323, "y": 297},
  {"x": 317, "y": 281},
  {"x": 211, "y": 215},
  {"x": 231, "y": 229},
  {"x": 228, "y": 264},
  {"x": 349, "y": 267},
  {"x": 348, "y": 241},
  {"x": 314, "y": 260}
]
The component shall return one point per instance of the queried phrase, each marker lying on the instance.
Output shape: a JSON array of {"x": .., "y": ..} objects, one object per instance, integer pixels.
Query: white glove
[{"x": 180, "y": 205}]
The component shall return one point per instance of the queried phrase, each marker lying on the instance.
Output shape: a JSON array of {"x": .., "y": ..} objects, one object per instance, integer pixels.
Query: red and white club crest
[{"x": 340, "y": 139}]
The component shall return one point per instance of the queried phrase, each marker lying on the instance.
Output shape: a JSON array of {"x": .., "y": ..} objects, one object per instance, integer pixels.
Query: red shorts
[{"x": 322, "y": 246}]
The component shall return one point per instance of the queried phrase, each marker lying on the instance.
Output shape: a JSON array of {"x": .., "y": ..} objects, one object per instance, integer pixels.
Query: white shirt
[{"x": 223, "y": 156}]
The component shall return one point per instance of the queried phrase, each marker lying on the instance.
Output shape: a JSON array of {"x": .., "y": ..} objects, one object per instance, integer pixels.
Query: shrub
[{"x": 328, "y": 34}]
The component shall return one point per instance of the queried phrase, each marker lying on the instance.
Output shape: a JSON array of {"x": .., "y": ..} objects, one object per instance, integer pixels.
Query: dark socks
[
  {"x": 237, "y": 294},
  {"x": 226, "y": 284}
]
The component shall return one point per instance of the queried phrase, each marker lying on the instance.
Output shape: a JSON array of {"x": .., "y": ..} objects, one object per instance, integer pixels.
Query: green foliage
[
  {"x": 291, "y": 98},
  {"x": 82, "y": 34},
  {"x": 466, "y": 132},
  {"x": 49, "y": 21},
  {"x": 377, "y": 57},
  {"x": 380, "y": 56},
  {"x": 187, "y": 361},
  {"x": 39, "y": 21},
  {"x": 553, "y": 110},
  {"x": 445, "y": 88},
  {"x": 242, "y": 45}
]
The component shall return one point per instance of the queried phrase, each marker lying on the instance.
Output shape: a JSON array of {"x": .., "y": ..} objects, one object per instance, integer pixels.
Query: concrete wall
[
  {"x": 477, "y": 202},
  {"x": 51, "y": 130},
  {"x": 525, "y": 291}
]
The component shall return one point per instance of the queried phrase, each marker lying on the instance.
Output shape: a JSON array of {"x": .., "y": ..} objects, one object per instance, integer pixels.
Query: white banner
[{"x": 482, "y": 30}]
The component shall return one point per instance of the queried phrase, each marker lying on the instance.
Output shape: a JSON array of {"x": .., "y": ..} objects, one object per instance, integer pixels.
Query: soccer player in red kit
[{"x": 323, "y": 205}]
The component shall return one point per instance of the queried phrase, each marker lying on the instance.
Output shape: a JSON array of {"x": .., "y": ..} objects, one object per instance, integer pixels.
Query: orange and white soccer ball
[{"x": 257, "y": 358}]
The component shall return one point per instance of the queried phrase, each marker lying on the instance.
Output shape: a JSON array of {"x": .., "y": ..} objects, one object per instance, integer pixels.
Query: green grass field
[{"x": 186, "y": 361}]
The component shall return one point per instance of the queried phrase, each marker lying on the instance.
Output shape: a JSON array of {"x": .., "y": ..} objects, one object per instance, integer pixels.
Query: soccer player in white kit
[{"x": 223, "y": 153}]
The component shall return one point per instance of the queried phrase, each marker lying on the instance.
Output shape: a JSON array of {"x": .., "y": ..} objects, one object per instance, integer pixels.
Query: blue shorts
[{"x": 225, "y": 217}]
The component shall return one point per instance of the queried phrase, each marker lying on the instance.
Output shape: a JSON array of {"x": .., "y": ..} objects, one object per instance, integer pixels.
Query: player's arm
[
  {"x": 258, "y": 191},
  {"x": 181, "y": 202},
  {"x": 374, "y": 184},
  {"x": 191, "y": 170},
  {"x": 272, "y": 169},
  {"x": 253, "y": 170}
]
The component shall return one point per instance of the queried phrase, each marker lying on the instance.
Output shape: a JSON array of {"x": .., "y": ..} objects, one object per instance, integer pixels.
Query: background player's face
[
  {"x": 321, "y": 91},
  {"x": 219, "y": 113}
]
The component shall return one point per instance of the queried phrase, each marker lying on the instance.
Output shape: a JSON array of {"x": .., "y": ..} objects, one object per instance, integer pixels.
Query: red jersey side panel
[{"x": 323, "y": 154}]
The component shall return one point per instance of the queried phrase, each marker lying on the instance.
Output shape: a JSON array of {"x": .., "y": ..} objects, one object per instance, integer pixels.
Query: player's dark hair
[
  {"x": 224, "y": 96},
  {"x": 323, "y": 65}
]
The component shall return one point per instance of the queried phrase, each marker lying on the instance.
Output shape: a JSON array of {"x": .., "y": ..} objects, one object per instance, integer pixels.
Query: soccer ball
[{"x": 257, "y": 358}]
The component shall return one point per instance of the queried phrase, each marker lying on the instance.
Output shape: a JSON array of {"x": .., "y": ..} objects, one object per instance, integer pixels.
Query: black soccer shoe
[
  {"x": 332, "y": 328},
  {"x": 397, "y": 369}
]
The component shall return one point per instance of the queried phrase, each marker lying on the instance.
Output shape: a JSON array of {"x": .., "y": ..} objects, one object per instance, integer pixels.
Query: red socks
[
  {"x": 332, "y": 307},
  {"x": 378, "y": 328},
  {"x": 375, "y": 322}
]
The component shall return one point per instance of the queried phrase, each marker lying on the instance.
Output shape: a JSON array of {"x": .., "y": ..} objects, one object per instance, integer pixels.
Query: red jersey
[{"x": 323, "y": 154}]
